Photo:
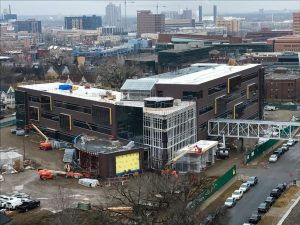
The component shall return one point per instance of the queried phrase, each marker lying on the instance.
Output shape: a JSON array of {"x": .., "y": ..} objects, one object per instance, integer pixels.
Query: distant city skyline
[{"x": 44, "y": 7}]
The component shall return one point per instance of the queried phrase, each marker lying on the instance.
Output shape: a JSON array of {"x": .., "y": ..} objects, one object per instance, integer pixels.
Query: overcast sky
[{"x": 79, "y": 7}]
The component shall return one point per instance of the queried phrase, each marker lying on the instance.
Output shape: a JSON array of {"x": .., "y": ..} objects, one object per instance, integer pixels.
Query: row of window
[
  {"x": 74, "y": 107},
  {"x": 65, "y": 122}
]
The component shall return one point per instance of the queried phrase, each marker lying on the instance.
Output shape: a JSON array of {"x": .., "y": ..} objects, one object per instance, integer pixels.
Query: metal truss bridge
[{"x": 253, "y": 129}]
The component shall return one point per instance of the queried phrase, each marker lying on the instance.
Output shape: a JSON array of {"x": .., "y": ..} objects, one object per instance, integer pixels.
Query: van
[{"x": 12, "y": 204}]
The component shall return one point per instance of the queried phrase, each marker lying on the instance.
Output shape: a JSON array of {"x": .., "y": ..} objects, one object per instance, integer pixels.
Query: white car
[
  {"x": 290, "y": 142},
  {"x": 21, "y": 195},
  {"x": 273, "y": 158},
  {"x": 245, "y": 187},
  {"x": 12, "y": 204},
  {"x": 237, "y": 194},
  {"x": 230, "y": 202},
  {"x": 4, "y": 199}
]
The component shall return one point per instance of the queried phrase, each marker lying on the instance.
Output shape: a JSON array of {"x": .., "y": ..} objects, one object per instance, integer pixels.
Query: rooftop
[
  {"x": 178, "y": 105},
  {"x": 95, "y": 145},
  {"x": 198, "y": 73},
  {"x": 94, "y": 94}
]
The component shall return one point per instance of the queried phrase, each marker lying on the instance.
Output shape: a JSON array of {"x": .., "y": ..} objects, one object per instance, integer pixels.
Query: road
[{"x": 284, "y": 170}]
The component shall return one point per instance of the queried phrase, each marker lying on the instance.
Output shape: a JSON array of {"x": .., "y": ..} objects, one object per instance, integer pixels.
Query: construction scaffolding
[
  {"x": 166, "y": 130},
  {"x": 200, "y": 155}
]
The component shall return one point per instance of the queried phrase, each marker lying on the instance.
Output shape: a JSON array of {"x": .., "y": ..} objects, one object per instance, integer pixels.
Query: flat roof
[
  {"x": 199, "y": 73},
  {"x": 78, "y": 91},
  {"x": 178, "y": 105}
]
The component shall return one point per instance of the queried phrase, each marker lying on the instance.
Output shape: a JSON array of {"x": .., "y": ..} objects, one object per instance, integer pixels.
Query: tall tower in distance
[
  {"x": 200, "y": 13},
  {"x": 215, "y": 14},
  {"x": 112, "y": 15}
]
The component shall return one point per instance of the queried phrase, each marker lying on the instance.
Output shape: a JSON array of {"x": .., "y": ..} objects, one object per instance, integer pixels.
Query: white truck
[{"x": 270, "y": 108}]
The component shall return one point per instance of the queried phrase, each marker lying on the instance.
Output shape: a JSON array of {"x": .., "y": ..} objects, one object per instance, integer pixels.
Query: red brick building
[{"x": 282, "y": 86}]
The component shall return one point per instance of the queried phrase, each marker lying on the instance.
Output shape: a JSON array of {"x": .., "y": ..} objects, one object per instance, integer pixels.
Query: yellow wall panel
[{"x": 127, "y": 162}]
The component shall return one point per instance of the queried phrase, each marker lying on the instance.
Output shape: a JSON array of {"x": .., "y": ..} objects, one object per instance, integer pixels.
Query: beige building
[
  {"x": 285, "y": 43},
  {"x": 232, "y": 25},
  {"x": 296, "y": 23},
  {"x": 150, "y": 23}
]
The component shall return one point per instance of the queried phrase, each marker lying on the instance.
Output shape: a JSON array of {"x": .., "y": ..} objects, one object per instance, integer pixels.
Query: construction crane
[{"x": 44, "y": 145}]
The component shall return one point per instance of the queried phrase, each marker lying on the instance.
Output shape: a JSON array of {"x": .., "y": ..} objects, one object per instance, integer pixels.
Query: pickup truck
[{"x": 28, "y": 205}]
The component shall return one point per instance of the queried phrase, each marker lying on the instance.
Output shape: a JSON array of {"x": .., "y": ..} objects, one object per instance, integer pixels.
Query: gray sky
[{"x": 79, "y": 7}]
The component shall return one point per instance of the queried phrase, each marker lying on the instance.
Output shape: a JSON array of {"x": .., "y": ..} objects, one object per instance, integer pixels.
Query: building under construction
[{"x": 106, "y": 159}]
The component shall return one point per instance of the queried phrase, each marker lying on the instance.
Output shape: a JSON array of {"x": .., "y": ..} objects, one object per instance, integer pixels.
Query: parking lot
[{"x": 285, "y": 170}]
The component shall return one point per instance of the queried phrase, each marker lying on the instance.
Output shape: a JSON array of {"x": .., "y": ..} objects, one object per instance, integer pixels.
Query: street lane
[{"x": 284, "y": 170}]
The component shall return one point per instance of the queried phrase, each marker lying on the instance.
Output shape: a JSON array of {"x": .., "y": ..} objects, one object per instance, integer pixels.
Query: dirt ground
[
  {"x": 45, "y": 191},
  {"x": 280, "y": 206}
]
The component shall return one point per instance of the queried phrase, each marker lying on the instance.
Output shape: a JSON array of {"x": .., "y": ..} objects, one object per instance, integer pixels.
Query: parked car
[
  {"x": 282, "y": 187},
  {"x": 254, "y": 218},
  {"x": 275, "y": 193},
  {"x": 28, "y": 205},
  {"x": 278, "y": 152},
  {"x": 230, "y": 202},
  {"x": 12, "y": 204},
  {"x": 21, "y": 195},
  {"x": 270, "y": 200},
  {"x": 285, "y": 147},
  {"x": 252, "y": 180},
  {"x": 245, "y": 187},
  {"x": 273, "y": 158},
  {"x": 290, "y": 142},
  {"x": 237, "y": 194},
  {"x": 4, "y": 199},
  {"x": 263, "y": 207},
  {"x": 270, "y": 108}
]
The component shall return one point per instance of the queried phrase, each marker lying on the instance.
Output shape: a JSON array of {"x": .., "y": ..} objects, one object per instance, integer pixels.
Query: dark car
[
  {"x": 270, "y": 200},
  {"x": 252, "y": 180},
  {"x": 254, "y": 218},
  {"x": 275, "y": 193},
  {"x": 282, "y": 187},
  {"x": 263, "y": 207},
  {"x": 28, "y": 205},
  {"x": 279, "y": 152}
]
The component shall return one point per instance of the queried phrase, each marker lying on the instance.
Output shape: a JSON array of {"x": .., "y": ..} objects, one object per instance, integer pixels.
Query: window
[
  {"x": 205, "y": 109},
  {"x": 50, "y": 116},
  {"x": 91, "y": 126},
  {"x": 233, "y": 84},
  {"x": 220, "y": 104},
  {"x": 101, "y": 115},
  {"x": 65, "y": 121},
  {"x": 33, "y": 98},
  {"x": 34, "y": 113},
  {"x": 217, "y": 88},
  {"x": 46, "y": 102},
  {"x": 74, "y": 107},
  {"x": 192, "y": 95},
  {"x": 249, "y": 77}
]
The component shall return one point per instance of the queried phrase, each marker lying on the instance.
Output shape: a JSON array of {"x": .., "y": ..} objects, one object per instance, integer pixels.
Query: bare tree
[
  {"x": 112, "y": 73},
  {"x": 64, "y": 207},
  {"x": 159, "y": 199}
]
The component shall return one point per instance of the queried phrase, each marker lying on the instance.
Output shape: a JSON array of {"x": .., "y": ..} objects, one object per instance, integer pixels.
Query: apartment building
[
  {"x": 296, "y": 23},
  {"x": 232, "y": 25},
  {"x": 83, "y": 22},
  {"x": 150, "y": 23}
]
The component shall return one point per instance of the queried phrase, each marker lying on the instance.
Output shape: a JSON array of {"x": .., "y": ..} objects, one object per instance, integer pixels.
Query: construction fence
[
  {"x": 259, "y": 150},
  {"x": 8, "y": 123},
  {"x": 286, "y": 107},
  {"x": 263, "y": 147},
  {"x": 217, "y": 185}
]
